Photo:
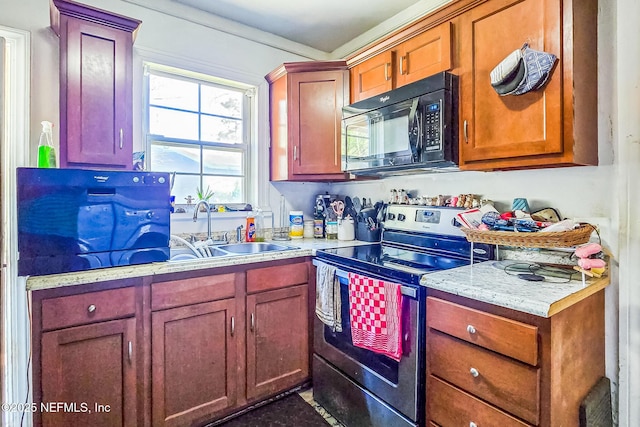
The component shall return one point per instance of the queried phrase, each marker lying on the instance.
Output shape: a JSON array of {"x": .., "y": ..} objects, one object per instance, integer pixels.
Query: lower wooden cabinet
[
  {"x": 277, "y": 340},
  {"x": 193, "y": 353},
  {"x": 488, "y": 365},
  {"x": 90, "y": 370},
  {"x": 176, "y": 350}
]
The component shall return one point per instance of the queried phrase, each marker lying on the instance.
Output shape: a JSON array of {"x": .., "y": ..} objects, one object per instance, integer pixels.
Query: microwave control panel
[{"x": 433, "y": 126}]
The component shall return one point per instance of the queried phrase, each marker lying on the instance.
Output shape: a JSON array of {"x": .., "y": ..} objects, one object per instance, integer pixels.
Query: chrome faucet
[{"x": 195, "y": 215}]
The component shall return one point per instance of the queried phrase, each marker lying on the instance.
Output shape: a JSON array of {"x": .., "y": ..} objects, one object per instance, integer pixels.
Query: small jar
[
  {"x": 331, "y": 229},
  {"x": 307, "y": 231}
]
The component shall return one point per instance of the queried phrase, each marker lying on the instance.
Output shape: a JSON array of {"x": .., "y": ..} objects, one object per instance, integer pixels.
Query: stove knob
[
  {"x": 391, "y": 216},
  {"x": 402, "y": 217},
  {"x": 161, "y": 180}
]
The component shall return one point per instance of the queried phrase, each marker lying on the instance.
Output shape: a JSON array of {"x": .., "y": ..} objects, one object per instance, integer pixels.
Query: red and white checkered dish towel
[{"x": 375, "y": 311}]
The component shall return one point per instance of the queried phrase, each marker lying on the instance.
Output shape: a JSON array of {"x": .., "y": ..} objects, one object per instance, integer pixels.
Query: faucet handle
[
  {"x": 239, "y": 233},
  {"x": 225, "y": 237}
]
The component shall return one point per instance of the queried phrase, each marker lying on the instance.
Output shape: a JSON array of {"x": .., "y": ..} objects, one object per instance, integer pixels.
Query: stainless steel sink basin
[
  {"x": 184, "y": 253},
  {"x": 254, "y": 247}
]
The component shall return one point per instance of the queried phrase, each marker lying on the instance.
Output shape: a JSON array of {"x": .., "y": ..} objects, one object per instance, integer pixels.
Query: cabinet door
[
  {"x": 96, "y": 127},
  {"x": 425, "y": 54},
  {"x": 92, "y": 370},
  {"x": 508, "y": 127},
  {"x": 315, "y": 109},
  {"x": 277, "y": 340},
  {"x": 193, "y": 362},
  {"x": 372, "y": 77}
]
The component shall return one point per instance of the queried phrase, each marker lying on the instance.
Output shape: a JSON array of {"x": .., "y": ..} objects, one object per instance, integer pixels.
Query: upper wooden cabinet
[
  {"x": 306, "y": 100},
  {"x": 95, "y": 86},
  {"x": 420, "y": 56},
  {"x": 555, "y": 126}
]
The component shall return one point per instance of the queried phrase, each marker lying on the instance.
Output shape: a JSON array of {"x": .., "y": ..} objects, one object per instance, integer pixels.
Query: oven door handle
[{"x": 404, "y": 290}]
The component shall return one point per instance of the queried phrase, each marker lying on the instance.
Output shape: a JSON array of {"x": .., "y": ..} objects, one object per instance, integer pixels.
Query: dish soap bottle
[
  {"x": 46, "y": 152},
  {"x": 251, "y": 228}
]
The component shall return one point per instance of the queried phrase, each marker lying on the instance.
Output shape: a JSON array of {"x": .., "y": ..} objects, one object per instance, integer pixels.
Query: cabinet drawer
[
  {"x": 195, "y": 290},
  {"x": 450, "y": 406},
  {"x": 262, "y": 279},
  {"x": 91, "y": 307},
  {"x": 506, "y": 383},
  {"x": 502, "y": 335}
]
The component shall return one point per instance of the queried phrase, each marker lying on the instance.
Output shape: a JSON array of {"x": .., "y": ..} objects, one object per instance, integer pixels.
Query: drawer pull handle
[
  {"x": 253, "y": 322},
  {"x": 130, "y": 351},
  {"x": 474, "y": 372},
  {"x": 472, "y": 424},
  {"x": 471, "y": 329},
  {"x": 91, "y": 308},
  {"x": 466, "y": 134},
  {"x": 233, "y": 325}
]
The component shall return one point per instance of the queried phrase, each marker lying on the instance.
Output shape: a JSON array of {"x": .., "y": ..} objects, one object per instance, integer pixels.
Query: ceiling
[{"x": 324, "y": 25}]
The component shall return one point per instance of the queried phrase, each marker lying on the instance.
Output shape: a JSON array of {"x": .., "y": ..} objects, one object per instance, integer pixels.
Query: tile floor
[{"x": 307, "y": 395}]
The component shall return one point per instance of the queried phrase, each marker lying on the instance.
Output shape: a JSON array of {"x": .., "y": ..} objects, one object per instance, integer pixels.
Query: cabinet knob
[
  {"x": 91, "y": 308},
  {"x": 253, "y": 323},
  {"x": 295, "y": 152},
  {"x": 474, "y": 372},
  {"x": 402, "y": 65},
  {"x": 466, "y": 134},
  {"x": 472, "y": 424},
  {"x": 121, "y": 138},
  {"x": 233, "y": 325},
  {"x": 386, "y": 71},
  {"x": 471, "y": 329}
]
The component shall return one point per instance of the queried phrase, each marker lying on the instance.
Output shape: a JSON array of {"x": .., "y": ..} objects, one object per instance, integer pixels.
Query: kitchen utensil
[
  {"x": 348, "y": 208},
  {"x": 357, "y": 205},
  {"x": 338, "y": 208}
]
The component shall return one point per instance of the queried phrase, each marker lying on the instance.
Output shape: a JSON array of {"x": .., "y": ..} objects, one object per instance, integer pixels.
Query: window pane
[
  {"x": 222, "y": 162},
  {"x": 173, "y": 124},
  {"x": 226, "y": 189},
  {"x": 173, "y": 93},
  {"x": 185, "y": 186},
  {"x": 221, "y": 102},
  {"x": 173, "y": 157},
  {"x": 216, "y": 129}
]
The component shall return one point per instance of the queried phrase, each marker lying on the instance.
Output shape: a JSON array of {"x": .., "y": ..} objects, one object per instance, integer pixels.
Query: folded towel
[
  {"x": 328, "y": 297},
  {"x": 375, "y": 311}
]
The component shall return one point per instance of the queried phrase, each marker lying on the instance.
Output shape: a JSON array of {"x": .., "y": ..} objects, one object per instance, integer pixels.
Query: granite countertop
[
  {"x": 488, "y": 282},
  {"x": 482, "y": 282},
  {"x": 303, "y": 247}
]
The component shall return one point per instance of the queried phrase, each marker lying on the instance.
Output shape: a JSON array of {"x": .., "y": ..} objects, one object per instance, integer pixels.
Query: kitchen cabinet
[
  {"x": 86, "y": 357},
  {"x": 554, "y": 126},
  {"x": 422, "y": 55},
  {"x": 277, "y": 329},
  {"x": 194, "y": 348},
  {"x": 96, "y": 46},
  {"x": 306, "y": 100},
  {"x": 493, "y": 366}
]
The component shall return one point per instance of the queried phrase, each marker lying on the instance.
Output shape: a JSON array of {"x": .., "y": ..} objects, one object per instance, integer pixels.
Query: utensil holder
[{"x": 366, "y": 234}]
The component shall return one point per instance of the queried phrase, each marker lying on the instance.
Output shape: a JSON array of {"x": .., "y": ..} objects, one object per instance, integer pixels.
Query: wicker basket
[{"x": 552, "y": 239}]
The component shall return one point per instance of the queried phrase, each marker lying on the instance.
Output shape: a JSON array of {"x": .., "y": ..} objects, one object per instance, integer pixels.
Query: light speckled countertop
[
  {"x": 304, "y": 247},
  {"x": 484, "y": 282}
]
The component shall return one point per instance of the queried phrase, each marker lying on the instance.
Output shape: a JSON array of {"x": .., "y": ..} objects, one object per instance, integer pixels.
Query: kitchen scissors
[{"x": 338, "y": 208}]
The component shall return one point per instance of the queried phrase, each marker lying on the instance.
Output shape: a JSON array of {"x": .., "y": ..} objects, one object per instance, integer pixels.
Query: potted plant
[{"x": 205, "y": 195}]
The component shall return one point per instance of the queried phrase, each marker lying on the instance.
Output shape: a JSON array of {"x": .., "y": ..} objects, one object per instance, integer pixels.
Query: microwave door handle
[{"x": 414, "y": 130}]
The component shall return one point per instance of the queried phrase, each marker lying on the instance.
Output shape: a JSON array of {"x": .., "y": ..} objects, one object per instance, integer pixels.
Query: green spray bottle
[{"x": 46, "y": 152}]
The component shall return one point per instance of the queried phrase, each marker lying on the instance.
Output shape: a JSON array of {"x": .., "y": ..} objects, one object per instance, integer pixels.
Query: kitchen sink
[
  {"x": 254, "y": 247},
  {"x": 230, "y": 249}
]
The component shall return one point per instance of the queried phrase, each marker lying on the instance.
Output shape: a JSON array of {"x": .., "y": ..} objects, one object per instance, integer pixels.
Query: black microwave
[{"x": 410, "y": 129}]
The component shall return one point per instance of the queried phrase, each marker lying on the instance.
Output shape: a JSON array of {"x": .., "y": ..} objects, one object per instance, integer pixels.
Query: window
[{"x": 199, "y": 127}]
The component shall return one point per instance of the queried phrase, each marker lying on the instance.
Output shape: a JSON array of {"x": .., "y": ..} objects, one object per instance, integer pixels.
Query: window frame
[{"x": 249, "y": 124}]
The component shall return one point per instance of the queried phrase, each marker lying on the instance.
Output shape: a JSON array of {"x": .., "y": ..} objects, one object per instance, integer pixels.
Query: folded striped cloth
[{"x": 375, "y": 311}]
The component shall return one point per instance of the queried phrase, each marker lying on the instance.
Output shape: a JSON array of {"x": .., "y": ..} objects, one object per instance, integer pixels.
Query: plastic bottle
[
  {"x": 318, "y": 225},
  {"x": 259, "y": 223},
  {"x": 251, "y": 228},
  {"x": 46, "y": 152}
]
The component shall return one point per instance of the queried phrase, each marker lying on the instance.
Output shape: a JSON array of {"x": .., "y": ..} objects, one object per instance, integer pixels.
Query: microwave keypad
[{"x": 433, "y": 127}]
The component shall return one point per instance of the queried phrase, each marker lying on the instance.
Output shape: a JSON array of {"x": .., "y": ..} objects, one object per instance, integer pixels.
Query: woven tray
[{"x": 553, "y": 239}]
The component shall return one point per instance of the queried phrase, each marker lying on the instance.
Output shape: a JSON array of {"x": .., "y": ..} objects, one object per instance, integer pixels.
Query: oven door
[{"x": 396, "y": 383}]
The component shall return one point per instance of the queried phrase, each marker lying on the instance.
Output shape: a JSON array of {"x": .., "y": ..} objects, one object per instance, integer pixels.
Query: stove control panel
[{"x": 423, "y": 219}]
